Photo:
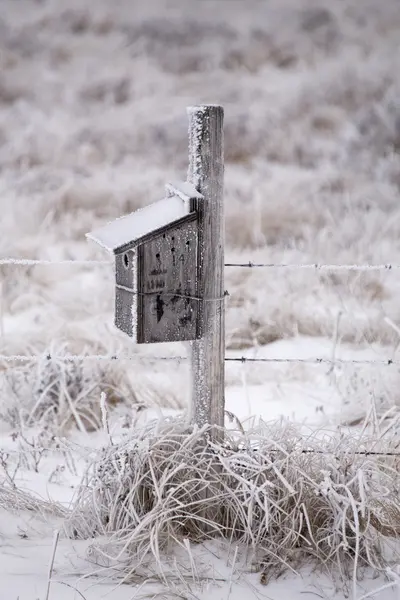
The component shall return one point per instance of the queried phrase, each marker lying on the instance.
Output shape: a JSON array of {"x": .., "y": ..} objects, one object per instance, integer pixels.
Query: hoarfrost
[{"x": 131, "y": 228}]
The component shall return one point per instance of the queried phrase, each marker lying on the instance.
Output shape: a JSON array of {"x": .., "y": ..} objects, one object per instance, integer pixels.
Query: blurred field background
[{"x": 93, "y": 124}]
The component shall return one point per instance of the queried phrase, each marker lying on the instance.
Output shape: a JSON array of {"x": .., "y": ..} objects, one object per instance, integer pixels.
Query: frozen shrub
[
  {"x": 59, "y": 393},
  {"x": 379, "y": 124},
  {"x": 157, "y": 34},
  {"x": 321, "y": 27},
  {"x": 77, "y": 21},
  {"x": 179, "y": 47},
  {"x": 22, "y": 41},
  {"x": 282, "y": 496},
  {"x": 11, "y": 91},
  {"x": 243, "y": 137},
  {"x": 116, "y": 91}
]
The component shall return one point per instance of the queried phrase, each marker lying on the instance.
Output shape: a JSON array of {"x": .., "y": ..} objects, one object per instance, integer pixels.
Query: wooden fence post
[{"x": 206, "y": 172}]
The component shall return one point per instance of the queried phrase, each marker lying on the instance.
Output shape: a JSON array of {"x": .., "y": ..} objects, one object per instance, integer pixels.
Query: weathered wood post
[
  {"x": 169, "y": 267},
  {"x": 206, "y": 173}
]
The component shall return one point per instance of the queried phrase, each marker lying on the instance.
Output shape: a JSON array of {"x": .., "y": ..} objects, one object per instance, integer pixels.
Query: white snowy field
[{"x": 93, "y": 98}]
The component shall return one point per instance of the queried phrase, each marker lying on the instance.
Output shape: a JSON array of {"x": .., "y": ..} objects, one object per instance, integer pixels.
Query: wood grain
[{"x": 206, "y": 172}]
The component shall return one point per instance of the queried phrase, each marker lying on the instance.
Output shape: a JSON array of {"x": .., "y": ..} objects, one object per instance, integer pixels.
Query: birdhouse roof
[{"x": 128, "y": 230}]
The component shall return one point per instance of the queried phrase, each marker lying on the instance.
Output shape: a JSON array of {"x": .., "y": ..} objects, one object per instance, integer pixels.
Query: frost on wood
[
  {"x": 196, "y": 124},
  {"x": 206, "y": 172}
]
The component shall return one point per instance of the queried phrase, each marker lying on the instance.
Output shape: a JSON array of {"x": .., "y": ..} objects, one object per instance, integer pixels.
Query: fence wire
[
  {"x": 316, "y": 361},
  {"x": 242, "y": 359},
  {"x": 249, "y": 264},
  {"x": 315, "y": 266},
  {"x": 6, "y": 452},
  {"x": 81, "y": 357},
  {"x": 32, "y": 262},
  {"x": 238, "y": 359}
]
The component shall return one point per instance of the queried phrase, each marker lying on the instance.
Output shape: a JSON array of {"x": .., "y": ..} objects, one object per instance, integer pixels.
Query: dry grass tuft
[
  {"x": 60, "y": 394},
  {"x": 15, "y": 500},
  {"x": 286, "y": 496}
]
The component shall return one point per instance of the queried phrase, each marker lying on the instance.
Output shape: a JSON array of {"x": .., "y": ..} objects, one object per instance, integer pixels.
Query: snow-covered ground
[
  {"x": 27, "y": 548},
  {"x": 92, "y": 125},
  {"x": 51, "y": 471}
]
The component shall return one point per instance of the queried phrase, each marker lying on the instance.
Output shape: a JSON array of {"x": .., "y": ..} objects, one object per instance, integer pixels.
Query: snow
[
  {"x": 71, "y": 569},
  {"x": 184, "y": 190},
  {"x": 195, "y": 131},
  {"x": 127, "y": 230}
]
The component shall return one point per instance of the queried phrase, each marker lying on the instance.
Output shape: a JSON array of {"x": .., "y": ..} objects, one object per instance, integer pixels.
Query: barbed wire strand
[
  {"x": 248, "y": 264},
  {"x": 80, "y": 357},
  {"x": 171, "y": 294},
  {"x": 32, "y": 262},
  {"x": 77, "y": 449},
  {"x": 316, "y": 266},
  {"x": 316, "y": 360},
  {"x": 242, "y": 359},
  {"x": 239, "y": 359}
]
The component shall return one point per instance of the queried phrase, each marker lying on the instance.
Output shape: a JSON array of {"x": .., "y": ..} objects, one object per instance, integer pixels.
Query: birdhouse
[{"x": 155, "y": 251}]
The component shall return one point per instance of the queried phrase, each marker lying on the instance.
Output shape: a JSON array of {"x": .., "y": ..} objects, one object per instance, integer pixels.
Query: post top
[{"x": 202, "y": 108}]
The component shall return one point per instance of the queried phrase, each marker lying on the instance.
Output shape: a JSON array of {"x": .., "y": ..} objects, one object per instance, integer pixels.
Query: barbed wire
[
  {"x": 248, "y": 264},
  {"x": 239, "y": 359},
  {"x": 79, "y": 449},
  {"x": 316, "y": 266},
  {"x": 140, "y": 358},
  {"x": 242, "y": 359},
  {"x": 316, "y": 360},
  {"x": 32, "y": 262},
  {"x": 172, "y": 295},
  {"x": 80, "y": 357}
]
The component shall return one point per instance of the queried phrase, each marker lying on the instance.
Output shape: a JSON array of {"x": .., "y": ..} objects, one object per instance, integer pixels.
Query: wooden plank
[
  {"x": 125, "y": 292},
  {"x": 168, "y": 304},
  {"x": 206, "y": 173},
  {"x": 138, "y": 284}
]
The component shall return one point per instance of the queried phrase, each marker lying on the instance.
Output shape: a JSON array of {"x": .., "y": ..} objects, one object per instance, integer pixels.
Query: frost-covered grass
[
  {"x": 59, "y": 394},
  {"x": 158, "y": 505},
  {"x": 282, "y": 496}
]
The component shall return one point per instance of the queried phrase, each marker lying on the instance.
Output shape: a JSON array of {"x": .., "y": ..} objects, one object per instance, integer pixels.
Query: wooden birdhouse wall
[
  {"x": 126, "y": 291},
  {"x": 167, "y": 305}
]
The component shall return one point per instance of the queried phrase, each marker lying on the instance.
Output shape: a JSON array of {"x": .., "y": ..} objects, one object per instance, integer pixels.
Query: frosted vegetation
[{"x": 93, "y": 124}]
